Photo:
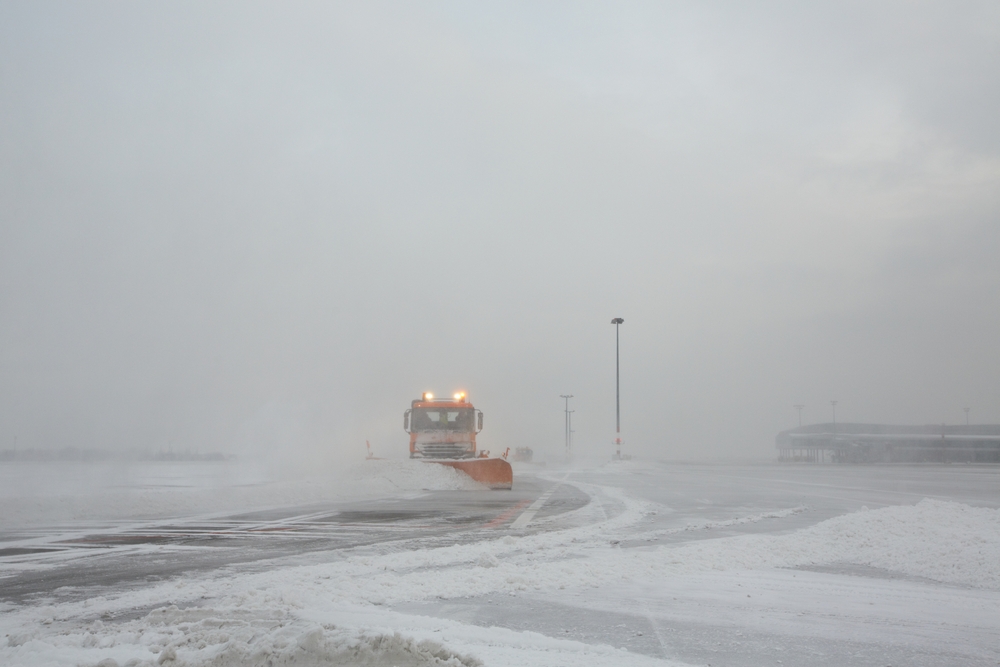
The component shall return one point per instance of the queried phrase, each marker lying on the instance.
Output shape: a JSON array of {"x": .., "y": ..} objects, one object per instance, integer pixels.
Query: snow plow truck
[{"x": 443, "y": 430}]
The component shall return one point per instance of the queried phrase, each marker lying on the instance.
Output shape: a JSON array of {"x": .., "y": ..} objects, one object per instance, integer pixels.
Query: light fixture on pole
[
  {"x": 966, "y": 416},
  {"x": 799, "y": 408},
  {"x": 567, "y": 397},
  {"x": 834, "y": 404}
]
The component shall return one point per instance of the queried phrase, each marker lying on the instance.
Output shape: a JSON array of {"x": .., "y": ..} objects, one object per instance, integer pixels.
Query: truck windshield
[{"x": 442, "y": 419}]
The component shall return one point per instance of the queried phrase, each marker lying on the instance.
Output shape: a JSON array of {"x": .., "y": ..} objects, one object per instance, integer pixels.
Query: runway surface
[
  {"x": 67, "y": 562},
  {"x": 607, "y": 564}
]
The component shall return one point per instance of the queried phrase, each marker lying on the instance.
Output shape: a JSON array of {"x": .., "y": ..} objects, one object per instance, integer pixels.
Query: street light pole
[
  {"x": 799, "y": 408},
  {"x": 567, "y": 397},
  {"x": 569, "y": 433},
  {"x": 618, "y": 405},
  {"x": 834, "y": 404},
  {"x": 966, "y": 416}
]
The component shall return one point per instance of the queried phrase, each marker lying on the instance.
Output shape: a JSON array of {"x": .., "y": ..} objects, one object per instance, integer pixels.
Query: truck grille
[{"x": 445, "y": 450}]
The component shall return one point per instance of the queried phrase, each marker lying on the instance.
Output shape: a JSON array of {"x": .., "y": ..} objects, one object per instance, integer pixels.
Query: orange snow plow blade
[{"x": 494, "y": 473}]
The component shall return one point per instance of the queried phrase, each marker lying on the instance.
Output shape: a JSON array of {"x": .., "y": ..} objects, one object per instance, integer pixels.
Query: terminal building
[{"x": 885, "y": 443}]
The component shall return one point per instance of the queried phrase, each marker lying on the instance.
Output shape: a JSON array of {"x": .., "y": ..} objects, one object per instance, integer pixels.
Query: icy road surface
[{"x": 635, "y": 563}]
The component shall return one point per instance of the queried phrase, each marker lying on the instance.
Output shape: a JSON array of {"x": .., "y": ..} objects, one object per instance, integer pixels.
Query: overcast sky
[{"x": 268, "y": 227}]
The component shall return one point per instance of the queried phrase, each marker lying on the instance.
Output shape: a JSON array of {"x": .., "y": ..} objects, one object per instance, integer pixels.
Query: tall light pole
[
  {"x": 570, "y": 434},
  {"x": 799, "y": 408},
  {"x": 567, "y": 397},
  {"x": 834, "y": 404},
  {"x": 618, "y": 405},
  {"x": 966, "y": 416}
]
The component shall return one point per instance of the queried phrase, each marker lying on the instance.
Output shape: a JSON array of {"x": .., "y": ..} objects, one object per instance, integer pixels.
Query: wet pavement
[{"x": 75, "y": 562}]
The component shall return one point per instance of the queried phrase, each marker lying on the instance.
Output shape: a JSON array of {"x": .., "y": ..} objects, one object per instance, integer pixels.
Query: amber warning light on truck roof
[{"x": 428, "y": 396}]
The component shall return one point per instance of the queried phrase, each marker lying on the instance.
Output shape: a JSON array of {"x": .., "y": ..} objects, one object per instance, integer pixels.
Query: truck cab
[{"x": 442, "y": 428}]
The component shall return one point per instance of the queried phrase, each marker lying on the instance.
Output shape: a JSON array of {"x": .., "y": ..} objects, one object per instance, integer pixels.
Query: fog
[{"x": 254, "y": 228}]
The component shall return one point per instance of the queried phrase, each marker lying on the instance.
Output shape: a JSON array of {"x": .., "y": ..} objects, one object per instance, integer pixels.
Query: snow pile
[
  {"x": 206, "y": 638},
  {"x": 45, "y": 494},
  {"x": 944, "y": 541},
  {"x": 940, "y": 540},
  {"x": 271, "y": 633},
  {"x": 327, "y": 648}
]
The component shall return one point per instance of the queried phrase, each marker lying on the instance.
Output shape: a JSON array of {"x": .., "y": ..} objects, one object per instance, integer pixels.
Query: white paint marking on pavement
[{"x": 529, "y": 514}]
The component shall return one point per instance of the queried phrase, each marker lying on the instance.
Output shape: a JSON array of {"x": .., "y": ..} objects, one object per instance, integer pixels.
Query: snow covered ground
[{"x": 668, "y": 564}]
